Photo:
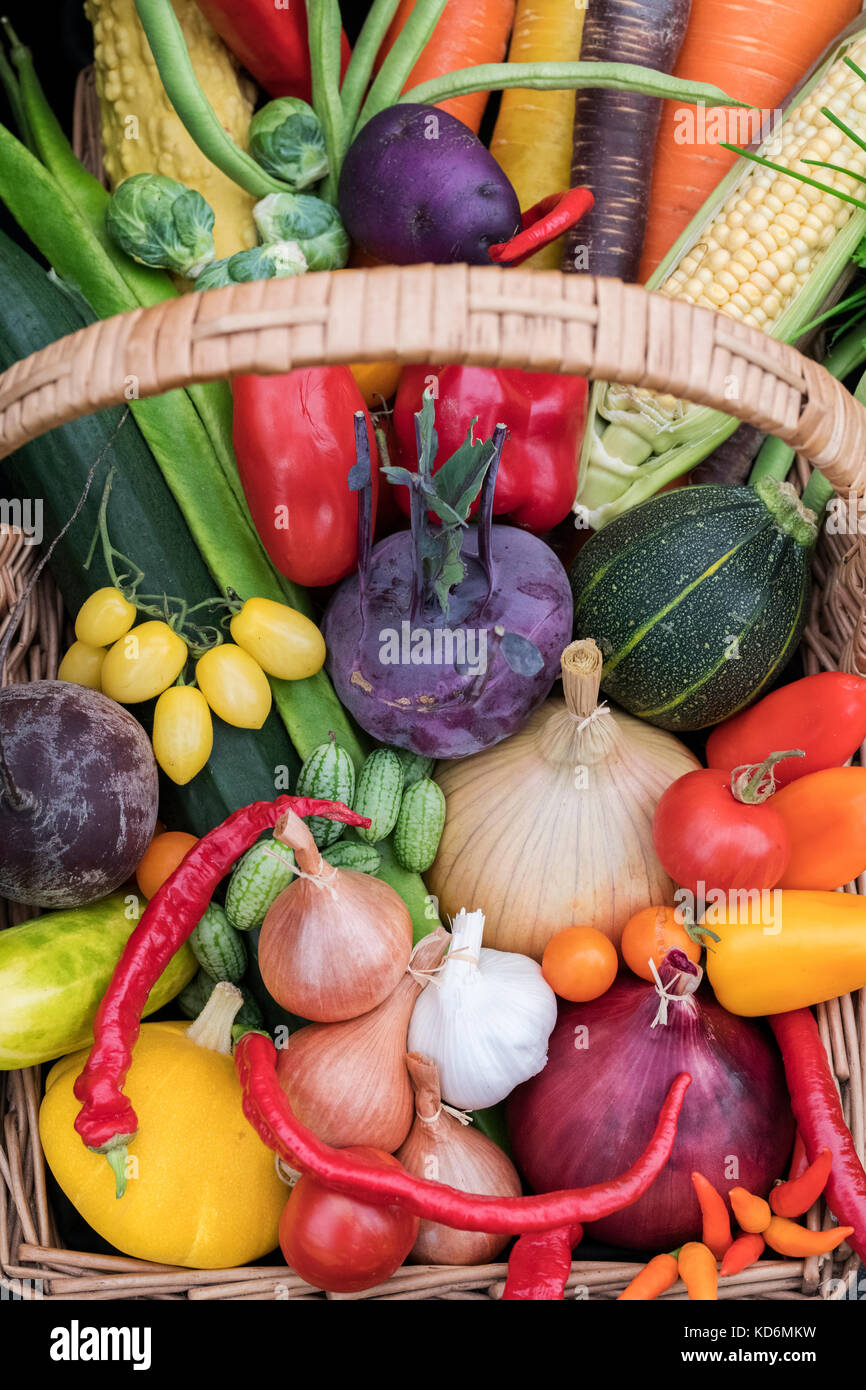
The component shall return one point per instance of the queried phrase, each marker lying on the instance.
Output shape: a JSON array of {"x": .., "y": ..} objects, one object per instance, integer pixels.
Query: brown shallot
[
  {"x": 443, "y": 1147},
  {"x": 348, "y": 1081},
  {"x": 335, "y": 943}
]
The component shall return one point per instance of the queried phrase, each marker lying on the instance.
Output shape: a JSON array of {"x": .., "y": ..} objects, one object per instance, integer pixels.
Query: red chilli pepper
[
  {"x": 268, "y": 1111},
  {"x": 744, "y": 1252},
  {"x": 270, "y": 40},
  {"x": 107, "y": 1121},
  {"x": 543, "y": 223},
  {"x": 539, "y": 1265},
  {"x": 799, "y": 1159},
  {"x": 795, "y": 1197},
  {"x": 716, "y": 1233},
  {"x": 815, "y": 1103},
  {"x": 545, "y": 413}
]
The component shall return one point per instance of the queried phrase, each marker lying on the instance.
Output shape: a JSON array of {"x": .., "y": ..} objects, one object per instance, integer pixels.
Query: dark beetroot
[{"x": 78, "y": 794}]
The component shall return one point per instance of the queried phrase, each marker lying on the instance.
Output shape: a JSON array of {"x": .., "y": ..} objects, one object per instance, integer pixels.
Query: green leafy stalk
[
  {"x": 405, "y": 52},
  {"x": 186, "y": 95},
  {"x": 364, "y": 54},
  {"x": 324, "y": 28}
]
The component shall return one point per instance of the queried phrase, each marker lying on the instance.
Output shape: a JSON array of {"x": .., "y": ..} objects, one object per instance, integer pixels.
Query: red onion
[{"x": 610, "y": 1063}]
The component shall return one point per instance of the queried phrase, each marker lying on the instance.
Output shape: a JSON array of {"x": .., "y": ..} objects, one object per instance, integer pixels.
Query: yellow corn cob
[
  {"x": 534, "y": 131},
  {"x": 767, "y": 238},
  {"x": 140, "y": 131}
]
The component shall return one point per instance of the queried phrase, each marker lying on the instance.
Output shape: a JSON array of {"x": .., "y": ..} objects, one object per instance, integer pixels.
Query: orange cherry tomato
[
  {"x": 579, "y": 963},
  {"x": 651, "y": 933},
  {"x": 161, "y": 858}
]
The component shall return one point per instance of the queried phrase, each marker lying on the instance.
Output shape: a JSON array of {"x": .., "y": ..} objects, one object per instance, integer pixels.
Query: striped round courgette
[{"x": 697, "y": 599}]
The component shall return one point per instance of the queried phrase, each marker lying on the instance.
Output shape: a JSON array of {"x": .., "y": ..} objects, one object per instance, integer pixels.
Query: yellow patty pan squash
[{"x": 202, "y": 1190}]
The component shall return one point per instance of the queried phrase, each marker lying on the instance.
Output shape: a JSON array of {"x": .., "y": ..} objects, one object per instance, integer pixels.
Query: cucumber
[
  {"x": 349, "y": 854},
  {"x": 54, "y": 971},
  {"x": 697, "y": 599},
  {"x": 415, "y": 766},
  {"x": 218, "y": 947},
  {"x": 145, "y": 524},
  {"x": 378, "y": 794},
  {"x": 258, "y": 878},
  {"x": 328, "y": 774},
  {"x": 199, "y": 990},
  {"x": 419, "y": 825}
]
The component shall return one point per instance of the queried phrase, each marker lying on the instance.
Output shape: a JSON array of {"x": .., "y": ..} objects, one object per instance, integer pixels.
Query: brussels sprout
[
  {"x": 276, "y": 260},
  {"x": 159, "y": 222},
  {"x": 330, "y": 251},
  {"x": 294, "y": 217},
  {"x": 287, "y": 139}
]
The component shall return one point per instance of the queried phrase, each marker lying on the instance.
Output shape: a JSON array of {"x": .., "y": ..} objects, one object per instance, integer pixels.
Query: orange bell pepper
[
  {"x": 785, "y": 949},
  {"x": 825, "y": 817}
]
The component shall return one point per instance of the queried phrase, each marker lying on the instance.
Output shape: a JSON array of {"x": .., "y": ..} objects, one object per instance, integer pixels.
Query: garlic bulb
[
  {"x": 552, "y": 827},
  {"x": 486, "y": 1021},
  {"x": 444, "y": 1147}
]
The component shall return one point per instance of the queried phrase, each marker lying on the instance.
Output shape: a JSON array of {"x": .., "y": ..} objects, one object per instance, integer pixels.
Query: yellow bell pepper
[
  {"x": 202, "y": 1190},
  {"x": 786, "y": 949}
]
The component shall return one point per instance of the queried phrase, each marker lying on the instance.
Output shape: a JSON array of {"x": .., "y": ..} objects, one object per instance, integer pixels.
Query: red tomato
[
  {"x": 340, "y": 1244},
  {"x": 703, "y": 834}
]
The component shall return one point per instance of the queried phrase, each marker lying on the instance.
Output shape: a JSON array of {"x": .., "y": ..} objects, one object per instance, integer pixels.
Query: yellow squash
[
  {"x": 785, "y": 949},
  {"x": 140, "y": 131},
  {"x": 202, "y": 1190}
]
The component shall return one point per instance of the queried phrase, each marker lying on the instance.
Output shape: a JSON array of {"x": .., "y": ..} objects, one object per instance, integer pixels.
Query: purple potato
[
  {"x": 386, "y": 673},
  {"x": 417, "y": 185},
  {"x": 88, "y": 777}
]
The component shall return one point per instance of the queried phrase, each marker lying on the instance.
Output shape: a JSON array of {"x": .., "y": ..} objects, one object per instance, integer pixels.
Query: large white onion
[{"x": 552, "y": 827}]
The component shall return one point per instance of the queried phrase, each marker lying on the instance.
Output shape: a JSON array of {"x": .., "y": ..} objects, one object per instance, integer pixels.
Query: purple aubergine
[
  {"x": 78, "y": 794},
  {"x": 418, "y": 185},
  {"x": 449, "y": 635}
]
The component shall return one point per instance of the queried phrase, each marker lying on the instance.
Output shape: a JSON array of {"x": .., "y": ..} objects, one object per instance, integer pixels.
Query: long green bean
[
  {"x": 547, "y": 77},
  {"x": 324, "y": 28},
  {"x": 185, "y": 93},
  {"x": 360, "y": 68},
  {"x": 397, "y": 67}
]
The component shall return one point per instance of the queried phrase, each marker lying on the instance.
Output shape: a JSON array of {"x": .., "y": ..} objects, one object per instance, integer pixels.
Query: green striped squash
[{"x": 697, "y": 599}]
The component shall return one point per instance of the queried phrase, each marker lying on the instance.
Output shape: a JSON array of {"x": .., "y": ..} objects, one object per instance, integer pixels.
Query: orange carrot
[
  {"x": 716, "y": 1221},
  {"x": 660, "y": 1274},
  {"x": 470, "y": 32},
  {"x": 757, "y": 51},
  {"x": 744, "y": 1252},
  {"x": 697, "y": 1268},
  {"x": 752, "y": 1212}
]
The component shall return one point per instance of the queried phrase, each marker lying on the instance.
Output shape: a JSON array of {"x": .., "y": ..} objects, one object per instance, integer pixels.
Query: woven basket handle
[{"x": 483, "y": 316}]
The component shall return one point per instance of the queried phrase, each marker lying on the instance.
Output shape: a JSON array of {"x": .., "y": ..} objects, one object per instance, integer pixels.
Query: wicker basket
[{"x": 486, "y": 317}]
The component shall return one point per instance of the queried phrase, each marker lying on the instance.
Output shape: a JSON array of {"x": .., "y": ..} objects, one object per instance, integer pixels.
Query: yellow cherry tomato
[
  {"x": 143, "y": 663},
  {"x": 234, "y": 685},
  {"x": 82, "y": 665},
  {"x": 281, "y": 640},
  {"x": 377, "y": 381},
  {"x": 104, "y": 617},
  {"x": 182, "y": 732}
]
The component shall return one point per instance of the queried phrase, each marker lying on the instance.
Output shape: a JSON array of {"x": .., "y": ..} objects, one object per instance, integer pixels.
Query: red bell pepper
[
  {"x": 269, "y": 37},
  {"x": 545, "y": 414},
  {"x": 294, "y": 439}
]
